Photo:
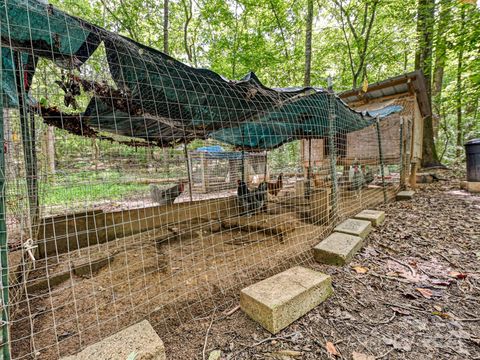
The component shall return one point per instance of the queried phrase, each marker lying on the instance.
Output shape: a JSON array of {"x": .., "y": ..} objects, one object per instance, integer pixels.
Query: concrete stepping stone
[
  {"x": 376, "y": 217},
  {"x": 278, "y": 301},
  {"x": 405, "y": 195},
  {"x": 337, "y": 249},
  {"x": 355, "y": 227},
  {"x": 140, "y": 339}
]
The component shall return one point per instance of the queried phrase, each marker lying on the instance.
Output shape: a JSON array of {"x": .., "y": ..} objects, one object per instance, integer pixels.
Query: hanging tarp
[{"x": 162, "y": 100}]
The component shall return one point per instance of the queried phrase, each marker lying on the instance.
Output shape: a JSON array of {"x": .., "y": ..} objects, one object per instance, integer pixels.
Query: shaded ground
[{"x": 413, "y": 292}]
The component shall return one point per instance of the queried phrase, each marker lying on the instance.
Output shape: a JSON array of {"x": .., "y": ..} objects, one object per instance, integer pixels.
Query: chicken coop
[
  {"x": 104, "y": 220},
  {"x": 394, "y": 143},
  {"x": 212, "y": 169}
]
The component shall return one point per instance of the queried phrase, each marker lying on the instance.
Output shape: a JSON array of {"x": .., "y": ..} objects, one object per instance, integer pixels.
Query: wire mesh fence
[{"x": 138, "y": 187}]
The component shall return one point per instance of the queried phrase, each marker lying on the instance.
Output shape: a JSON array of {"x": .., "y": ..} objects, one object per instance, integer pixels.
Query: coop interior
[{"x": 114, "y": 215}]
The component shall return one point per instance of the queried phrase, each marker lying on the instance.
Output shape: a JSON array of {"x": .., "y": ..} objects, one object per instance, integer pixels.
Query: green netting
[{"x": 162, "y": 100}]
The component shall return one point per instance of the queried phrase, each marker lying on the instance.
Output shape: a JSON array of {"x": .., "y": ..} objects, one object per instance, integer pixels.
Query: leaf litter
[{"x": 412, "y": 292}]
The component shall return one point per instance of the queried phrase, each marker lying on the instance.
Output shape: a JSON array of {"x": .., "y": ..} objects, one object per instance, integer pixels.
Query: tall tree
[
  {"x": 423, "y": 61},
  {"x": 461, "y": 49},
  {"x": 165, "y": 26},
  {"x": 357, "y": 29},
  {"x": 308, "y": 43},
  {"x": 443, "y": 24}
]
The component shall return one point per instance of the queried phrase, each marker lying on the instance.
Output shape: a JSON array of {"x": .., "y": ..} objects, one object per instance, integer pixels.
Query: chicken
[
  {"x": 361, "y": 177},
  {"x": 251, "y": 201},
  {"x": 166, "y": 196},
  {"x": 275, "y": 187}
]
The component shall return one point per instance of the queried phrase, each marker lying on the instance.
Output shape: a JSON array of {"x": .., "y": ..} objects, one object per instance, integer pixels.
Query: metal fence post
[
  {"x": 333, "y": 153},
  {"x": 402, "y": 154},
  {"x": 380, "y": 152},
  {"x": 4, "y": 305}
]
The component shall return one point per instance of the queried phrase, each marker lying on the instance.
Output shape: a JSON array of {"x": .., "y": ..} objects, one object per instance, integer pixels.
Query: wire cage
[
  {"x": 215, "y": 170},
  {"x": 109, "y": 214}
]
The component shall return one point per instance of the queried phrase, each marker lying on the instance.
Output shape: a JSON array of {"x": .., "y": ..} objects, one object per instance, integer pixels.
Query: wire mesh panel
[{"x": 114, "y": 215}]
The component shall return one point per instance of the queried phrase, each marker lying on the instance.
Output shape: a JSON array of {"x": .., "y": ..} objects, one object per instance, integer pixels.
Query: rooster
[
  {"x": 251, "y": 201},
  {"x": 275, "y": 187},
  {"x": 166, "y": 196}
]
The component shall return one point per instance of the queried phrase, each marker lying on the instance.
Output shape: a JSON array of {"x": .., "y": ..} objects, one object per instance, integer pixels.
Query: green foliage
[{"x": 268, "y": 37}]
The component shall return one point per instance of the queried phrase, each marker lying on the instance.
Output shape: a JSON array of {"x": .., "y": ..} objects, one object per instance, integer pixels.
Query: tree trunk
[
  {"x": 460, "y": 47},
  {"x": 308, "y": 43},
  {"x": 423, "y": 61},
  {"x": 165, "y": 26},
  {"x": 440, "y": 59}
]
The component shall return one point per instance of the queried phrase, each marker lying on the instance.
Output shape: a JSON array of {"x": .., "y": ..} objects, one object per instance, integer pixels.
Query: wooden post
[
  {"x": 309, "y": 171},
  {"x": 185, "y": 150},
  {"x": 402, "y": 155},
  {"x": 243, "y": 165},
  {"x": 413, "y": 175},
  {"x": 265, "y": 166}
]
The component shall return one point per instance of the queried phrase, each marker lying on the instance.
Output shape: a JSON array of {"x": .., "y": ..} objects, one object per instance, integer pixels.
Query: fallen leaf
[
  {"x": 361, "y": 356},
  {"x": 331, "y": 348},
  {"x": 457, "y": 275},
  {"x": 360, "y": 269},
  {"x": 400, "y": 311},
  {"x": 441, "y": 314},
  {"x": 292, "y": 353},
  {"x": 425, "y": 293}
]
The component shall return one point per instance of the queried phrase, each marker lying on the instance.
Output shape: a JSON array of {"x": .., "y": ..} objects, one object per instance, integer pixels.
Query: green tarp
[{"x": 160, "y": 99}]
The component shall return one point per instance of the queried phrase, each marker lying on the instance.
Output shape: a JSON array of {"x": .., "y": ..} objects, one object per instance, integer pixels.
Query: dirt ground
[{"x": 413, "y": 292}]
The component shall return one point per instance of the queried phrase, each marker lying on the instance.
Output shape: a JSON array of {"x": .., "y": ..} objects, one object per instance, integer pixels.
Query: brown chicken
[{"x": 275, "y": 187}]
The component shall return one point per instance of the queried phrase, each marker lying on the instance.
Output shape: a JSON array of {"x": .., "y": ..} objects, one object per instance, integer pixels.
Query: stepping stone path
[
  {"x": 139, "y": 339},
  {"x": 355, "y": 227},
  {"x": 337, "y": 249},
  {"x": 374, "y": 216},
  {"x": 405, "y": 195},
  {"x": 278, "y": 301}
]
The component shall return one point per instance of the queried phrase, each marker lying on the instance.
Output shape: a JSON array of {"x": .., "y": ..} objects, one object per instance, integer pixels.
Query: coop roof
[
  {"x": 155, "y": 97},
  {"x": 409, "y": 84}
]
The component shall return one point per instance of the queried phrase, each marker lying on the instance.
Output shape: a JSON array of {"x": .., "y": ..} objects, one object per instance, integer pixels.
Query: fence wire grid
[{"x": 136, "y": 187}]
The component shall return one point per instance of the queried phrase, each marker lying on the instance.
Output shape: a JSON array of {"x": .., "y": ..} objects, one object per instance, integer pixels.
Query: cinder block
[
  {"x": 337, "y": 249},
  {"x": 405, "y": 195},
  {"x": 355, "y": 227},
  {"x": 139, "y": 339},
  {"x": 376, "y": 217},
  {"x": 278, "y": 301}
]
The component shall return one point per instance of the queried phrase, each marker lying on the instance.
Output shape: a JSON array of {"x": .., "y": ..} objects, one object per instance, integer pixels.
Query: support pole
[
  {"x": 380, "y": 152},
  {"x": 333, "y": 153},
  {"x": 4, "y": 305},
  {"x": 413, "y": 175},
  {"x": 265, "y": 168},
  {"x": 402, "y": 155},
  {"x": 309, "y": 171},
  {"x": 185, "y": 151},
  {"x": 27, "y": 125},
  {"x": 243, "y": 165}
]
